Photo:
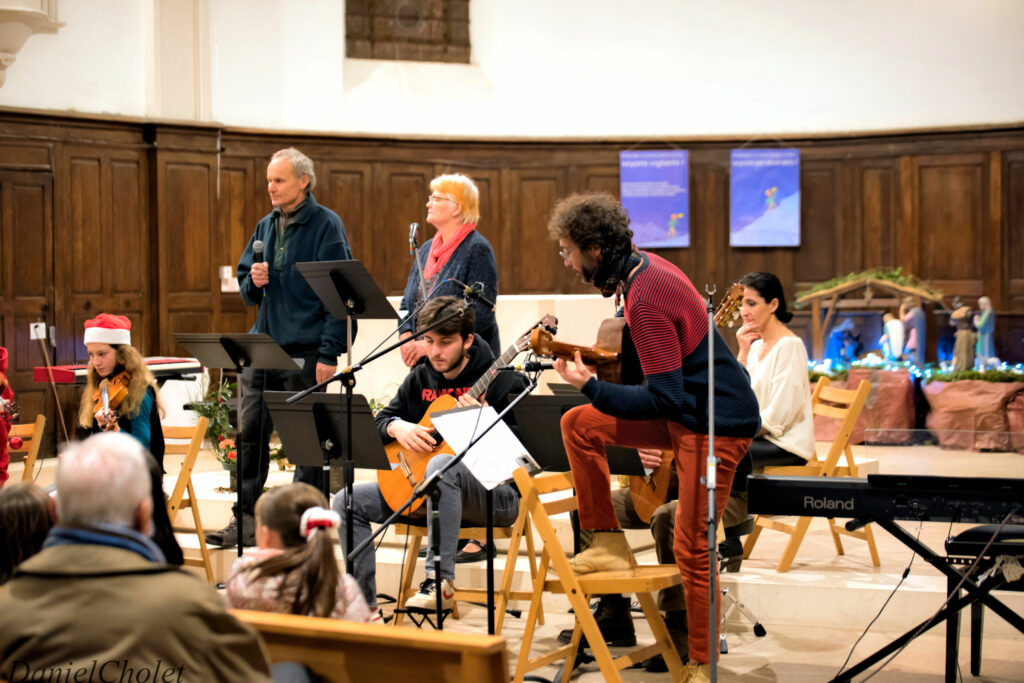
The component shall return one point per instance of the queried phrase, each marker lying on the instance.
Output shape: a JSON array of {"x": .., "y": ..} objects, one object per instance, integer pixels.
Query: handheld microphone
[
  {"x": 257, "y": 257},
  {"x": 413, "y": 227},
  {"x": 529, "y": 366}
]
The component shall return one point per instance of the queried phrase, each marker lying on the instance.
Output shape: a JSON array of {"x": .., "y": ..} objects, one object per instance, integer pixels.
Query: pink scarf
[{"x": 441, "y": 251}]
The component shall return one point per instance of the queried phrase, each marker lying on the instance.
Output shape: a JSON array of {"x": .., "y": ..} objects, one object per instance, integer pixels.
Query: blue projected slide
[
  {"x": 764, "y": 198},
  {"x": 655, "y": 190}
]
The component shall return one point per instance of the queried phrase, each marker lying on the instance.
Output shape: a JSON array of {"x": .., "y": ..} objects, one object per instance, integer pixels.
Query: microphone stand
[
  {"x": 348, "y": 378},
  {"x": 710, "y": 481},
  {"x": 429, "y": 486}
]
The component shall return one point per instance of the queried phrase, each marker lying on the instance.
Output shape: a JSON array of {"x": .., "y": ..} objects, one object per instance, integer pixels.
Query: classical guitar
[{"x": 397, "y": 484}]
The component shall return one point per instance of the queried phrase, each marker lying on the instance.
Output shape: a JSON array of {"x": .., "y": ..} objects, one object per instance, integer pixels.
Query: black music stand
[
  {"x": 236, "y": 350},
  {"x": 544, "y": 438},
  {"x": 348, "y": 291},
  {"x": 315, "y": 428}
]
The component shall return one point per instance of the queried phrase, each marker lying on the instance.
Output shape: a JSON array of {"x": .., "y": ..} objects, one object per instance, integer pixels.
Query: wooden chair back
[
  {"x": 641, "y": 580},
  {"x": 845, "y": 405},
  {"x": 177, "y": 501},
  {"x": 32, "y": 438}
]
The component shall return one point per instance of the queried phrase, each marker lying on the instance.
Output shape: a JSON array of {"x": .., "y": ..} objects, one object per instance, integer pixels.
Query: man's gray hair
[
  {"x": 301, "y": 164},
  {"x": 102, "y": 480}
]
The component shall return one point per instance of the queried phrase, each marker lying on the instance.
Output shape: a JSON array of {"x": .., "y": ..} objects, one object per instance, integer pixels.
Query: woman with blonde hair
[
  {"x": 292, "y": 569},
  {"x": 456, "y": 254}
]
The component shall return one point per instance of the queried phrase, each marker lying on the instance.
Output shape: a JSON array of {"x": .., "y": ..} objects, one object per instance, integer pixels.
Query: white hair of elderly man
[{"x": 104, "y": 479}]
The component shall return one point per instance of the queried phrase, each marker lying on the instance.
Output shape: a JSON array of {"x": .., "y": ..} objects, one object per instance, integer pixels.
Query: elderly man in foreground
[{"x": 99, "y": 603}]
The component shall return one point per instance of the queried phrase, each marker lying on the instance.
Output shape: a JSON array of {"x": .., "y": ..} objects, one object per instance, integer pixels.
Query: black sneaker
[
  {"x": 228, "y": 536},
  {"x": 615, "y": 621}
]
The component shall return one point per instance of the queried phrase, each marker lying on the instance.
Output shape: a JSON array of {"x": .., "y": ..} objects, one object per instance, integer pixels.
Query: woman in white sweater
[{"x": 777, "y": 362}]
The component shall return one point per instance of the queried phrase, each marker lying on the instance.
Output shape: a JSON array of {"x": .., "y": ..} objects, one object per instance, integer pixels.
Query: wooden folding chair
[
  {"x": 177, "y": 500},
  {"x": 846, "y": 405},
  {"x": 641, "y": 580},
  {"x": 503, "y": 593},
  {"x": 32, "y": 438}
]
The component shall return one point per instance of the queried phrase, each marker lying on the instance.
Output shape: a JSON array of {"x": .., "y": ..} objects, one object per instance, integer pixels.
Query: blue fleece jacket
[{"x": 290, "y": 311}]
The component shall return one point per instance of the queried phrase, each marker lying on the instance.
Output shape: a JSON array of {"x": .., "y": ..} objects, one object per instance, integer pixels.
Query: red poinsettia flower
[
  {"x": 232, "y": 455},
  {"x": 220, "y": 438}
]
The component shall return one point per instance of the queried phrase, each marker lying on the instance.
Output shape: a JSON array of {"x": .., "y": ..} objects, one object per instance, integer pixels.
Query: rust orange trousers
[{"x": 586, "y": 431}]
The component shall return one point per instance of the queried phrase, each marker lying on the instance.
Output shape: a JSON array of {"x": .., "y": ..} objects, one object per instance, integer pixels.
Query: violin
[{"x": 108, "y": 397}]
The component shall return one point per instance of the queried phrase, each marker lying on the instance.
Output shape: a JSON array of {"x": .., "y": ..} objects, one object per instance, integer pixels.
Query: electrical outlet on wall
[{"x": 37, "y": 331}]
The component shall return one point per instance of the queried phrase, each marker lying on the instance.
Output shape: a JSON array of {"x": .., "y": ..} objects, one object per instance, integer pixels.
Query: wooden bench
[{"x": 343, "y": 651}]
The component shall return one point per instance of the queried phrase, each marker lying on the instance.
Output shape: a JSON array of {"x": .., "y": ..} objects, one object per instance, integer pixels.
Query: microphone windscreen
[{"x": 257, "y": 251}]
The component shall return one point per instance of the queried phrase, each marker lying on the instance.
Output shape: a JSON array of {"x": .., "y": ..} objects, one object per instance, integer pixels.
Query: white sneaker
[{"x": 425, "y": 600}]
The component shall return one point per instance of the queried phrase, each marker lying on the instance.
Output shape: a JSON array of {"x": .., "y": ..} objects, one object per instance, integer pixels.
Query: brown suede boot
[{"x": 607, "y": 552}]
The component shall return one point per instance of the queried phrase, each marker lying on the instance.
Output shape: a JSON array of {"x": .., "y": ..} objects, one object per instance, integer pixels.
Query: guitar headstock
[
  {"x": 728, "y": 311},
  {"x": 540, "y": 342},
  {"x": 547, "y": 324}
]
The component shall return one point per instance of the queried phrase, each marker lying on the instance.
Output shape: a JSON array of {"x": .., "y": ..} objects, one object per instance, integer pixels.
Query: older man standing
[
  {"x": 297, "y": 230},
  {"x": 99, "y": 602}
]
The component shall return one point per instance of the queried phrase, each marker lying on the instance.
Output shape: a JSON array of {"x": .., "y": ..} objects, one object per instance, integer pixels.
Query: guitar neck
[{"x": 480, "y": 388}]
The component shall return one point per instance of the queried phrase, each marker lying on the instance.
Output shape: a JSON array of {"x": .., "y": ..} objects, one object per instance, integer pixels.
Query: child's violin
[{"x": 108, "y": 397}]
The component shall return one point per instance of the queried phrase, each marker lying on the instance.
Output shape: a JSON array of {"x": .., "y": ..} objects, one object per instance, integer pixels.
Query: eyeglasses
[
  {"x": 564, "y": 253},
  {"x": 438, "y": 198}
]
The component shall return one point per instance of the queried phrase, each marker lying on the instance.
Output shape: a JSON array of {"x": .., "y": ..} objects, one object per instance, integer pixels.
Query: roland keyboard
[
  {"x": 914, "y": 497},
  {"x": 163, "y": 369}
]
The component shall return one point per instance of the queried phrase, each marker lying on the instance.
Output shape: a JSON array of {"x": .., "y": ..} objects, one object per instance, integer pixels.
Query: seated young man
[{"x": 452, "y": 365}]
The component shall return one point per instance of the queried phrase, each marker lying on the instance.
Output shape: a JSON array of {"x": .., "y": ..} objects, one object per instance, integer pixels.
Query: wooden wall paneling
[
  {"x": 25, "y": 157},
  {"x": 347, "y": 189},
  {"x": 876, "y": 203},
  {"x": 992, "y": 240},
  {"x": 189, "y": 283},
  {"x": 952, "y": 217},
  {"x": 533, "y": 265},
  {"x": 595, "y": 178},
  {"x": 1013, "y": 233},
  {"x": 235, "y": 224},
  {"x": 401, "y": 191},
  {"x": 709, "y": 257},
  {"x": 105, "y": 232},
  {"x": 26, "y": 284},
  {"x": 908, "y": 239},
  {"x": 819, "y": 256}
]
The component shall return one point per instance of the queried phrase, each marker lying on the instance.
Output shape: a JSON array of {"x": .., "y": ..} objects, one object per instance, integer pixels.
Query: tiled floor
[{"x": 813, "y": 614}]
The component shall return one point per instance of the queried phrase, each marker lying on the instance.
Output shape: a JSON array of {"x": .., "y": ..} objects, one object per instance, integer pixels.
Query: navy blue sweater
[
  {"x": 471, "y": 262},
  {"x": 291, "y": 312}
]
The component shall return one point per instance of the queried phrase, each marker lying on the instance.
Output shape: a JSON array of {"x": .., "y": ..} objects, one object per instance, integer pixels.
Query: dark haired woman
[
  {"x": 777, "y": 362},
  {"x": 25, "y": 519}
]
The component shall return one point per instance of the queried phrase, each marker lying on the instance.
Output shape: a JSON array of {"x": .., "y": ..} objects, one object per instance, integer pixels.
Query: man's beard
[
  {"x": 450, "y": 366},
  {"x": 588, "y": 268}
]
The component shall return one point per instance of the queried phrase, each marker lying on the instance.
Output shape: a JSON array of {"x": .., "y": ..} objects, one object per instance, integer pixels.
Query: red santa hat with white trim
[{"x": 108, "y": 329}]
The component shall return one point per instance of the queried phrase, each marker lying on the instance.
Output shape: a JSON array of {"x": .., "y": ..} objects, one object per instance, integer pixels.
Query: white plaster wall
[
  {"x": 569, "y": 68},
  {"x": 98, "y": 62}
]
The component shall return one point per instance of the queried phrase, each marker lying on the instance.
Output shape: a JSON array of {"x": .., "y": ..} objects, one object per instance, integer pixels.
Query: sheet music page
[{"x": 494, "y": 457}]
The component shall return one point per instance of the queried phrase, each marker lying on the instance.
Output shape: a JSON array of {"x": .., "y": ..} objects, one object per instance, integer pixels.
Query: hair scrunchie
[{"x": 316, "y": 518}]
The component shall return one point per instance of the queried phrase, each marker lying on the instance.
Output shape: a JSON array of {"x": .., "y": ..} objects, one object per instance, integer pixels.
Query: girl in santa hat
[{"x": 132, "y": 388}]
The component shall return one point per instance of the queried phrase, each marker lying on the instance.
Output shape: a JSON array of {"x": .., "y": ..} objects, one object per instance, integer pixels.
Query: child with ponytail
[{"x": 293, "y": 569}]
